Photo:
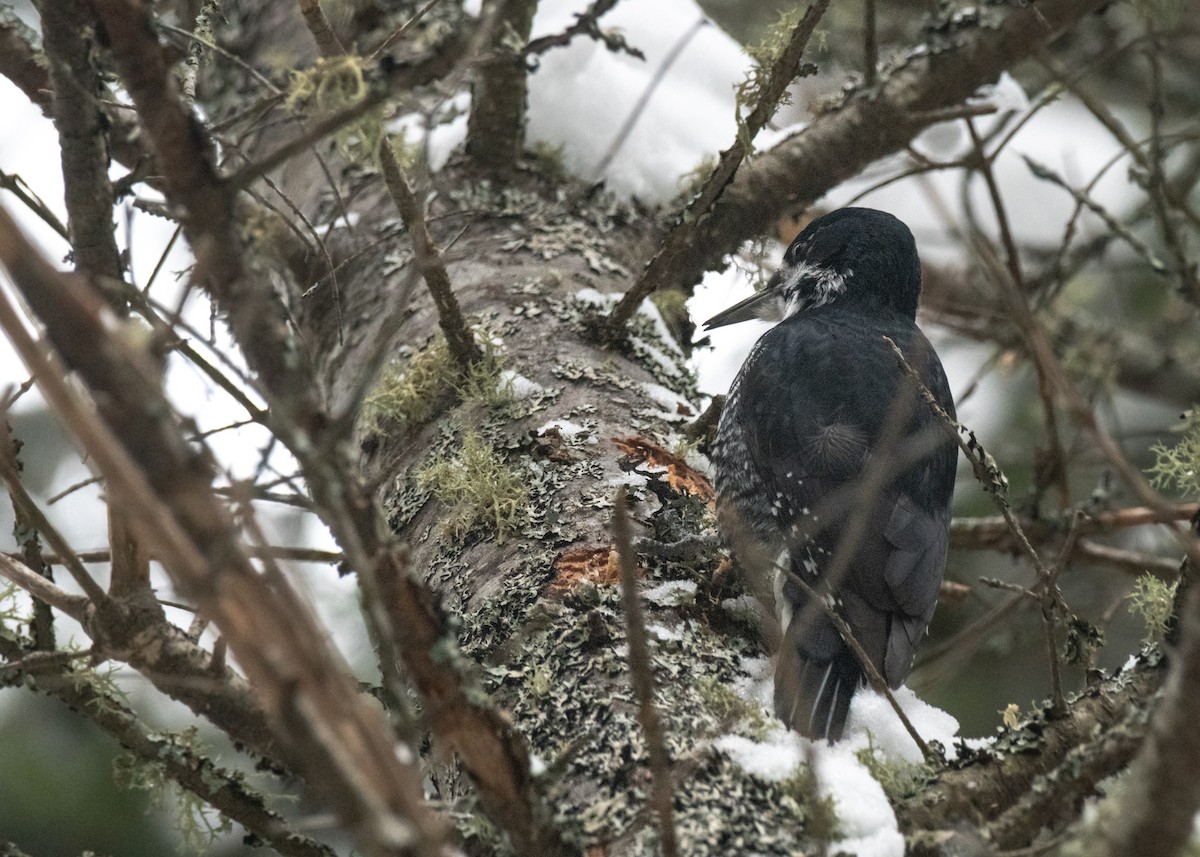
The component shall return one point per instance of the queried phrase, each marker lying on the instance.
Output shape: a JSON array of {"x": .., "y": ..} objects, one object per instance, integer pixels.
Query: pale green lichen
[
  {"x": 1152, "y": 599},
  {"x": 899, "y": 779},
  {"x": 478, "y": 488},
  {"x": 11, "y": 614},
  {"x": 198, "y": 824},
  {"x": 750, "y": 91},
  {"x": 820, "y": 815},
  {"x": 1177, "y": 466},
  {"x": 411, "y": 393},
  {"x": 331, "y": 85},
  {"x": 732, "y": 709}
]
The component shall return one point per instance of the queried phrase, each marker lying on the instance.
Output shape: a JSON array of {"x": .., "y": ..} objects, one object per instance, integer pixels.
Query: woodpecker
[{"x": 824, "y": 446}]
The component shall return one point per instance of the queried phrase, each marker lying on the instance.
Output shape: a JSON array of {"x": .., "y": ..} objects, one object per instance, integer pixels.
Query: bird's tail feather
[{"x": 813, "y": 695}]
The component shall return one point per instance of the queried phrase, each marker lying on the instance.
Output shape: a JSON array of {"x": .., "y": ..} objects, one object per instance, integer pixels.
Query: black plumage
[{"x": 823, "y": 443}]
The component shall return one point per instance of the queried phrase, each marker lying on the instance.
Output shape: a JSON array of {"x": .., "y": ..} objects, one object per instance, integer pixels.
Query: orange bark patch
[
  {"x": 599, "y": 565},
  {"x": 679, "y": 474}
]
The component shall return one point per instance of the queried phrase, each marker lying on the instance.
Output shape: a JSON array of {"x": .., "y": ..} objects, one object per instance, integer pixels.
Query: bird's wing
[{"x": 818, "y": 397}]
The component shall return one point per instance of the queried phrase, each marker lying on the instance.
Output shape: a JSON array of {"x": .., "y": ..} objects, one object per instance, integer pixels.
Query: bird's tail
[{"x": 814, "y": 684}]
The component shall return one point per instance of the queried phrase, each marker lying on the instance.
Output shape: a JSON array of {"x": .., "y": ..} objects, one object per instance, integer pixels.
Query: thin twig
[
  {"x": 870, "y": 44},
  {"x": 223, "y": 790},
  {"x": 641, "y": 672},
  {"x": 404, "y": 28},
  {"x": 1058, "y": 457},
  {"x": 587, "y": 23},
  {"x": 994, "y": 482},
  {"x": 327, "y": 40},
  {"x": 292, "y": 554},
  {"x": 459, "y": 339},
  {"x": 75, "y": 606},
  {"x": 877, "y": 681},
  {"x": 833, "y": 147},
  {"x": 16, "y": 185},
  {"x": 639, "y": 106},
  {"x": 779, "y": 77},
  {"x": 1114, "y": 225},
  {"x": 32, "y": 514},
  {"x": 1156, "y": 183}
]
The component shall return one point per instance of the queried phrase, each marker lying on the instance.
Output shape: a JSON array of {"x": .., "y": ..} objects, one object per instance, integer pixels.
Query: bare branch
[
  {"x": 81, "y": 129},
  {"x": 340, "y": 742},
  {"x": 22, "y": 61},
  {"x": 994, "y": 482},
  {"x": 870, "y": 44},
  {"x": 587, "y": 23},
  {"x": 833, "y": 147},
  {"x": 327, "y": 40},
  {"x": 29, "y": 512},
  {"x": 1162, "y": 793},
  {"x": 984, "y": 785},
  {"x": 198, "y": 774},
  {"x": 680, "y": 240},
  {"x": 1056, "y": 457},
  {"x": 39, "y": 587},
  {"x": 641, "y": 670},
  {"x": 496, "y": 124},
  {"x": 459, "y": 339}
]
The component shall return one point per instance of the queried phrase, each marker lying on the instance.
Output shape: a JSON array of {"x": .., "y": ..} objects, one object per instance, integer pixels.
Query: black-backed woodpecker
[{"x": 830, "y": 468}]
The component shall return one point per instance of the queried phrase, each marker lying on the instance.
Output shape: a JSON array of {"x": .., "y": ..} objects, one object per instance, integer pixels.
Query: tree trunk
[{"x": 498, "y": 478}]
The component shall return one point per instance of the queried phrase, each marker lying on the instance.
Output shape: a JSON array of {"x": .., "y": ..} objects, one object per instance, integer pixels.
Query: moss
[
  {"x": 900, "y": 780},
  {"x": 478, "y": 488},
  {"x": 330, "y": 85},
  {"x": 730, "y": 707},
  {"x": 820, "y": 817},
  {"x": 549, "y": 159},
  {"x": 412, "y": 393},
  {"x": 408, "y": 395},
  {"x": 1153, "y": 599}
]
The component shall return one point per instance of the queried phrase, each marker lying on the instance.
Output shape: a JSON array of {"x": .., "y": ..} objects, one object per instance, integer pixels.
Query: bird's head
[{"x": 852, "y": 255}]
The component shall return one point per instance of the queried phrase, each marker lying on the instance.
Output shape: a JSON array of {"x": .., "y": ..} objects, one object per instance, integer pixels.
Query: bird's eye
[{"x": 795, "y": 253}]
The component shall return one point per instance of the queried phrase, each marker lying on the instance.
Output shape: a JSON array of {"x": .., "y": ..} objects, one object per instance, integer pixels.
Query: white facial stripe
[{"x": 827, "y": 284}]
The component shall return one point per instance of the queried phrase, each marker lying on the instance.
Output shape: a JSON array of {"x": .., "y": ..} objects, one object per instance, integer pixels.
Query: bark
[{"x": 500, "y": 477}]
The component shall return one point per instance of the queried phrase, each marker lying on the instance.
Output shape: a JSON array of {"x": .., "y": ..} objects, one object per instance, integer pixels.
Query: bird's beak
[{"x": 762, "y": 304}]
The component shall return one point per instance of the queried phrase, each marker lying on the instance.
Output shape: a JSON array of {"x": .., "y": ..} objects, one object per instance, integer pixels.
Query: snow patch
[
  {"x": 565, "y": 427},
  {"x": 872, "y": 715},
  {"x": 1004, "y": 95},
  {"x": 671, "y": 593},
  {"x": 664, "y": 634},
  {"x": 520, "y": 386},
  {"x": 659, "y": 356},
  {"x": 675, "y": 406},
  {"x": 595, "y": 297},
  {"x": 774, "y": 758},
  {"x": 581, "y": 96},
  {"x": 630, "y": 479},
  {"x": 865, "y": 818},
  {"x": 650, "y": 309}
]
